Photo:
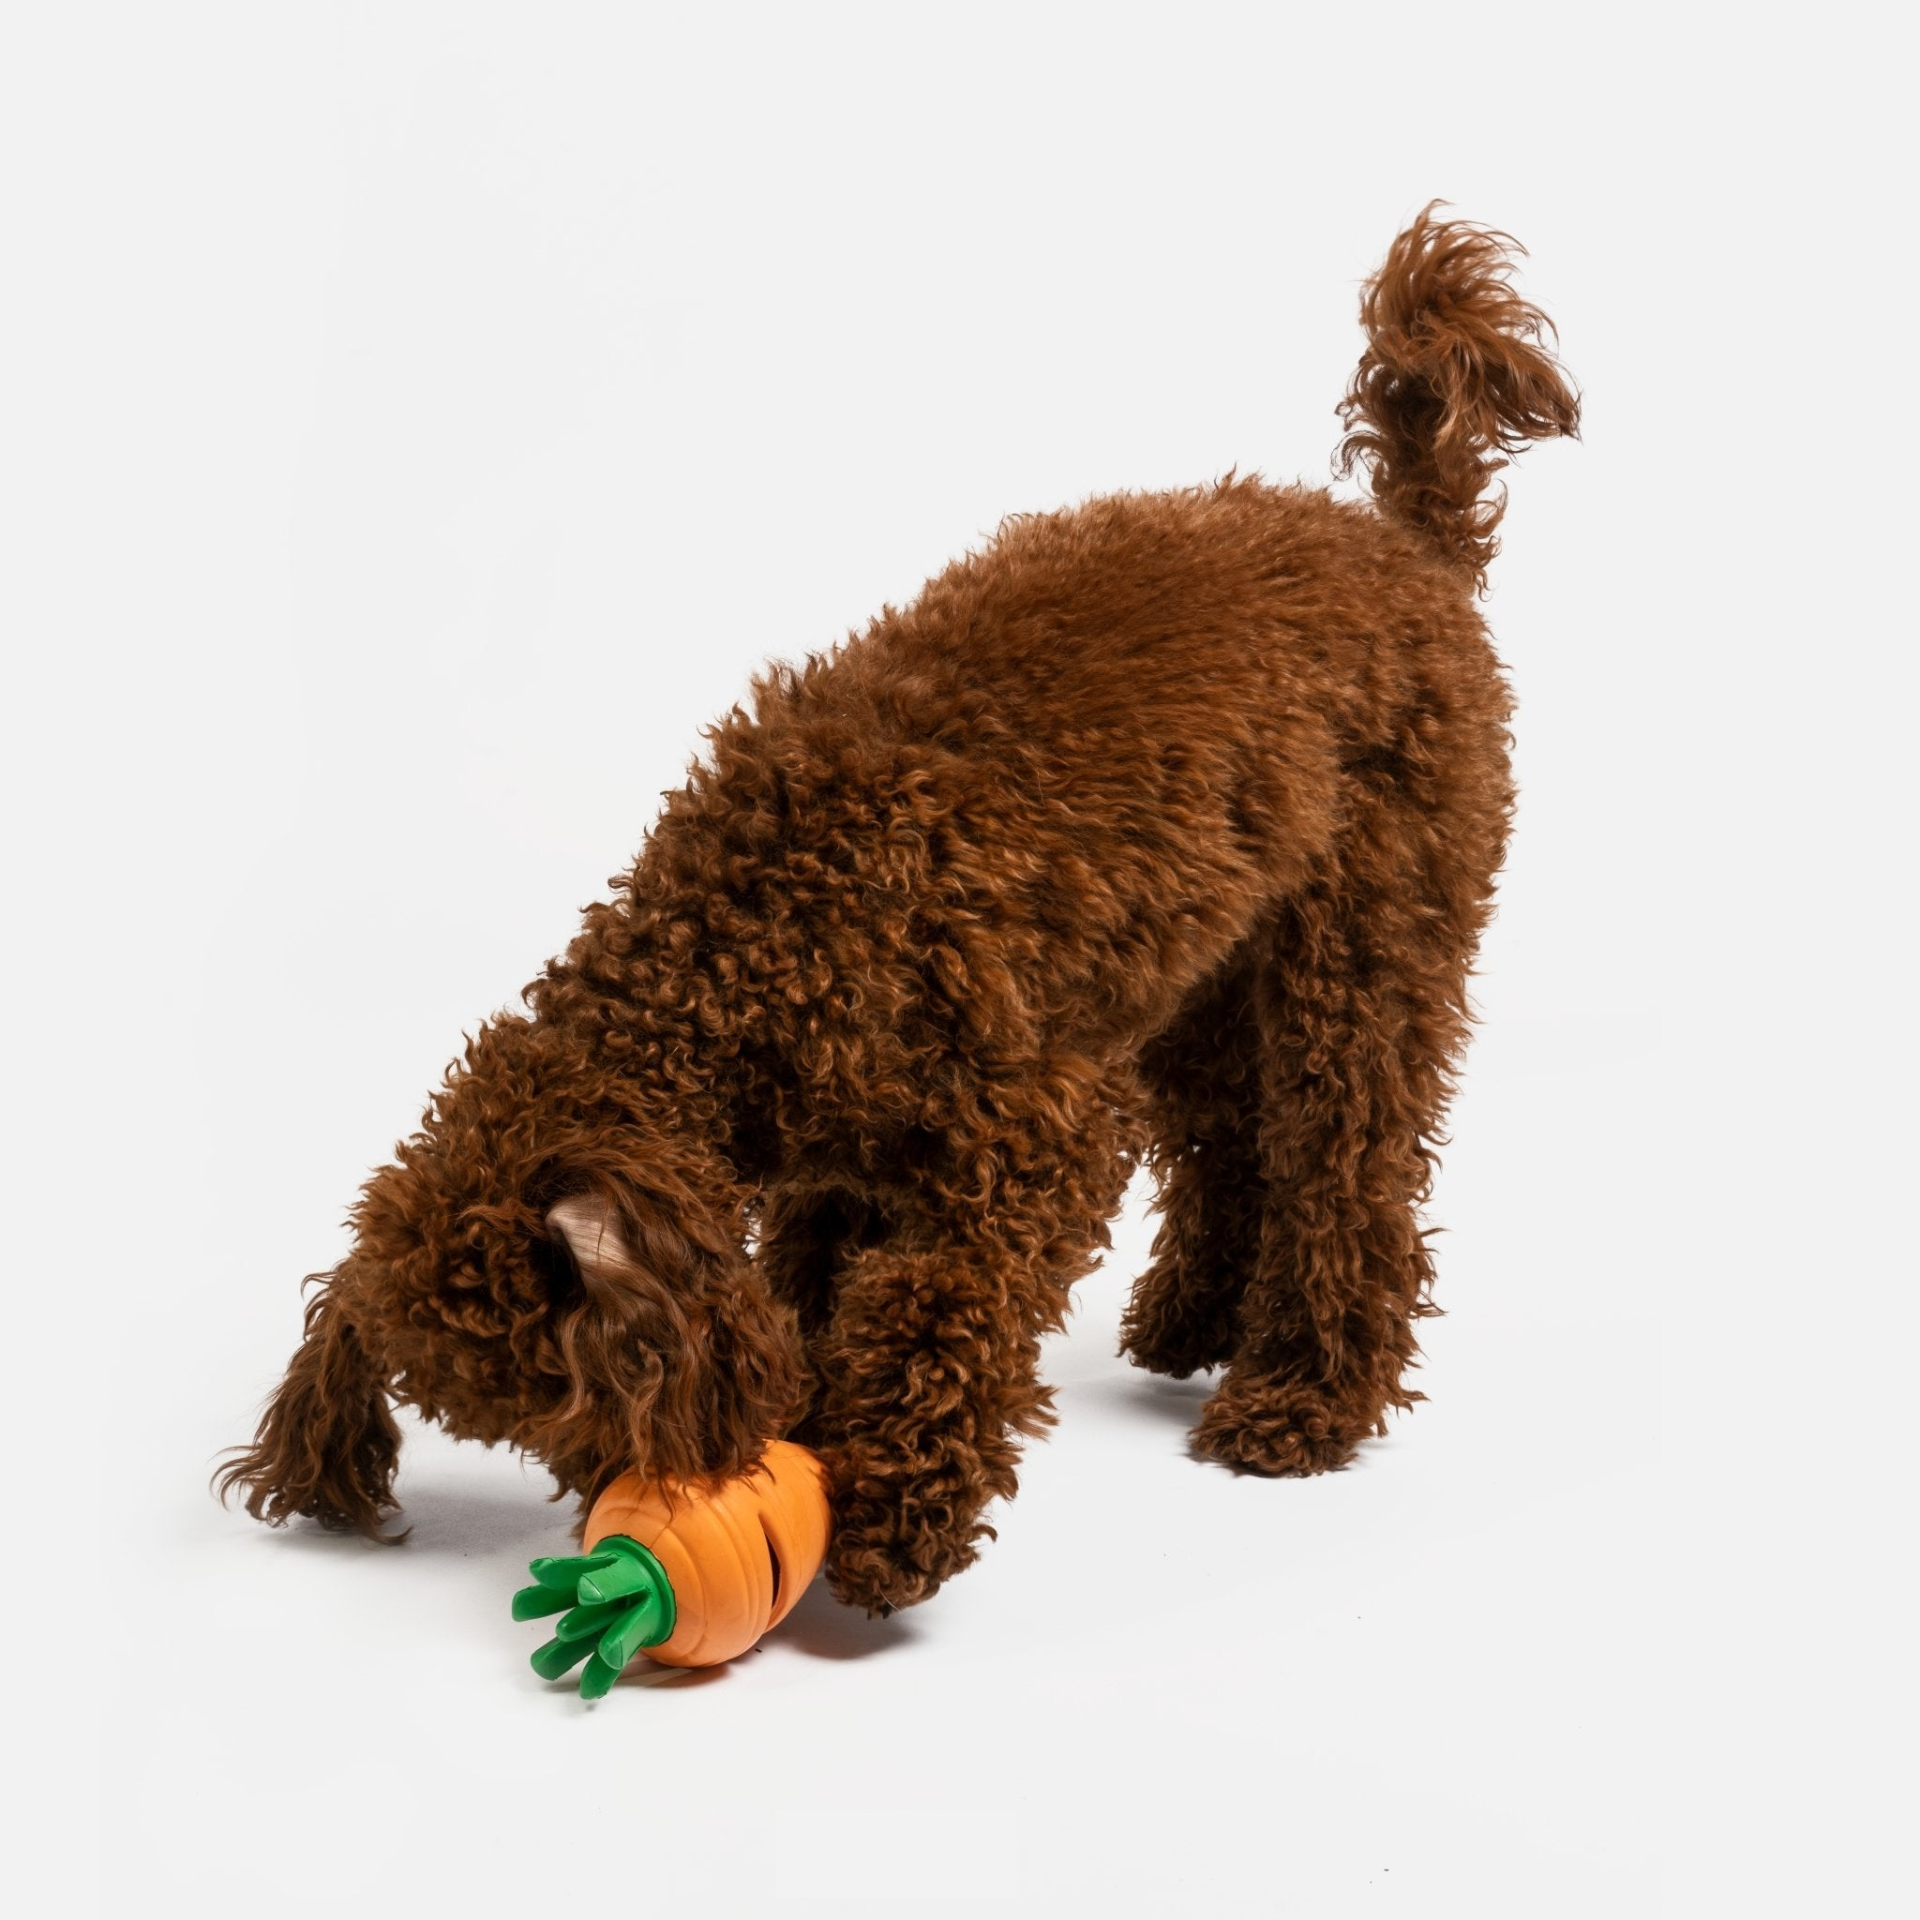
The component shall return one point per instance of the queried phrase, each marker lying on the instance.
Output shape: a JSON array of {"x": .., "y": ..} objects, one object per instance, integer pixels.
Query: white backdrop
[{"x": 422, "y": 420}]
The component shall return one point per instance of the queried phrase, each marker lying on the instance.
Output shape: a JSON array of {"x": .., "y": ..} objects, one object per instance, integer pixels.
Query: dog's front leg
[{"x": 928, "y": 1371}]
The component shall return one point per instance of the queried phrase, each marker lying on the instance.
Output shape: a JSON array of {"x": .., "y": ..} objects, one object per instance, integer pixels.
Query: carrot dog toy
[{"x": 689, "y": 1576}]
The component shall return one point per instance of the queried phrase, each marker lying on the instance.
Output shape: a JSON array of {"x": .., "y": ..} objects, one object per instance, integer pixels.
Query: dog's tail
[
  {"x": 1459, "y": 373},
  {"x": 327, "y": 1444}
]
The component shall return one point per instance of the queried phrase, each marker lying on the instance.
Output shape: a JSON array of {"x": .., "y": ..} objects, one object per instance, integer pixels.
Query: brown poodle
[{"x": 1164, "y": 828}]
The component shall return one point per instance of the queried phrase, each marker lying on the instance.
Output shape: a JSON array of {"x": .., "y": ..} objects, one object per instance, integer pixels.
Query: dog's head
[
  {"x": 541, "y": 1272},
  {"x": 676, "y": 1360}
]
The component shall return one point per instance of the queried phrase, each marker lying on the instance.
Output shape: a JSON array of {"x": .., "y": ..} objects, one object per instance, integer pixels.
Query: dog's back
[{"x": 1125, "y": 731}]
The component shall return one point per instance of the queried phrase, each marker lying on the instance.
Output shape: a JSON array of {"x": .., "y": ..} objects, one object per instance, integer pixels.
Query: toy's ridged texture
[
  {"x": 693, "y": 1576},
  {"x": 721, "y": 1549}
]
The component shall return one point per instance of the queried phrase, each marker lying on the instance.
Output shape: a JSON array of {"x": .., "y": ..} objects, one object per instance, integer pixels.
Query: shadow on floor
[
  {"x": 821, "y": 1627},
  {"x": 462, "y": 1521},
  {"x": 1133, "y": 1391}
]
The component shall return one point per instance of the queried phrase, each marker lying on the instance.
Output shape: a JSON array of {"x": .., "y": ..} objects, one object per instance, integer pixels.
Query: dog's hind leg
[
  {"x": 1360, "y": 1002},
  {"x": 1203, "y": 1086}
]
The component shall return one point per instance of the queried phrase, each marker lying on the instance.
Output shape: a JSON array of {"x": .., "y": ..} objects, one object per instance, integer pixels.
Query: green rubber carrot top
[{"x": 612, "y": 1602}]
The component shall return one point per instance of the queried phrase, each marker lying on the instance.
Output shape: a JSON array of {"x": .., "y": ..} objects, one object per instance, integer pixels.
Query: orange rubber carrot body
[
  {"x": 692, "y": 1576},
  {"x": 739, "y": 1557}
]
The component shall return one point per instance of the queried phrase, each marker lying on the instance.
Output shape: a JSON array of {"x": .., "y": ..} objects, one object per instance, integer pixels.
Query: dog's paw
[
  {"x": 1264, "y": 1428},
  {"x": 1167, "y": 1336},
  {"x": 875, "y": 1586},
  {"x": 1177, "y": 1357},
  {"x": 885, "y": 1557}
]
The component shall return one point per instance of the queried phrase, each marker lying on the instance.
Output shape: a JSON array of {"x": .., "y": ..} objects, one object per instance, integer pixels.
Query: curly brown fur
[
  {"x": 1456, "y": 375},
  {"x": 327, "y": 1445},
  {"x": 1164, "y": 827}
]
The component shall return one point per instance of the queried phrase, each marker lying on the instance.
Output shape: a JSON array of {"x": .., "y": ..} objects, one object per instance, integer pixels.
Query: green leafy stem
[{"x": 612, "y": 1602}]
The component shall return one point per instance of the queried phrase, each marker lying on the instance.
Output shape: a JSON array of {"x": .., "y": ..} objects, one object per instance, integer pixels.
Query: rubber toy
[{"x": 690, "y": 1577}]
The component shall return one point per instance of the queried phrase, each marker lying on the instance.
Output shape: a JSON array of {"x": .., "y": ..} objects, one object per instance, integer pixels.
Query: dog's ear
[
  {"x": 678, "y": 1361},
  {"x": 590, "y": 1228}
]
